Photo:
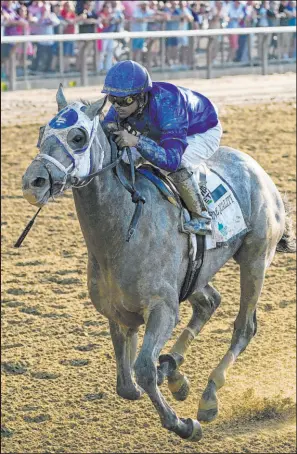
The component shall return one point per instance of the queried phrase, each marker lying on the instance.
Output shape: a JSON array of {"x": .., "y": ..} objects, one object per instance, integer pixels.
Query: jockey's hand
[{"x": 125, "y": 139}]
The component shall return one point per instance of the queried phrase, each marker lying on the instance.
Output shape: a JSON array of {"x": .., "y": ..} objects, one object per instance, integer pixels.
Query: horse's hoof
[
  {"x": 207, "y": 415},
  {"x": 209, "y": 405},
  {"x": 196, "y": 429},
  {"x": 179, "y": 386}
]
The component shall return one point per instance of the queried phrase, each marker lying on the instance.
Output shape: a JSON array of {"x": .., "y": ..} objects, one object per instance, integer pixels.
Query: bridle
[
  {"x": 90, "y": 126},
  {"x": 74, "y": 182},
  {"x": 79, "y": 182}
]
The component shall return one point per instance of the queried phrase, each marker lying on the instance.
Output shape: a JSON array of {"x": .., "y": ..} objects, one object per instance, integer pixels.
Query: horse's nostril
[{"x": 38, "y": 182}]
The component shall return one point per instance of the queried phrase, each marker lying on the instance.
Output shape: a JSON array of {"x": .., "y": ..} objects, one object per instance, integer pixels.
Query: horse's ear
[
  {"x": 60, "y": 98},
  {"x": 95, "y": 108}
]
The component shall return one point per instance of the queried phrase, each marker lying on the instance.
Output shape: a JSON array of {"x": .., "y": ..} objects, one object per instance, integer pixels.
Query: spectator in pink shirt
[
  {"x": 10, "y": 19},
  {"x": 106, "y": 24},
  {"x": 34, "y": 15},
  {"x": 70, "y": 19},
  {"x": 23, "y": 29},
  {"x": 129, "y": 8},
  {"x": 46, "y": 22}
]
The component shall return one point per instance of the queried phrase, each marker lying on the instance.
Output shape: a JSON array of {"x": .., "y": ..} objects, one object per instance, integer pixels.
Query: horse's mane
[{"x": 86, "y": 103}]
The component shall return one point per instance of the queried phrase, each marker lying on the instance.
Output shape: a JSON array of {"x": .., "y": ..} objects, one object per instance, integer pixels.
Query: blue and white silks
[{"x": 171, "y": 115}]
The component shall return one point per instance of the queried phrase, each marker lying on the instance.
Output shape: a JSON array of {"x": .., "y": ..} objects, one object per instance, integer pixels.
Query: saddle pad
[
  {"x": 156, "y": 177},
  {"x": 227, "y": 219}
]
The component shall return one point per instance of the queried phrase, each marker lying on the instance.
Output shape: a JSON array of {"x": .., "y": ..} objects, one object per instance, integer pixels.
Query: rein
[
  {"x": 137, "y": 198},
  {"x": 75, "y": 182}
]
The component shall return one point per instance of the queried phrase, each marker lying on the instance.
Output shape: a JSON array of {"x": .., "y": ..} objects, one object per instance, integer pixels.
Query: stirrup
[
  {"x": 204, "y": 215},
  {"x": 198, "y": 226}
]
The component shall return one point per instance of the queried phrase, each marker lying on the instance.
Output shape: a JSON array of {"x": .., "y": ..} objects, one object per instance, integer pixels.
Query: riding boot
[{"x": 188, "y": 187}]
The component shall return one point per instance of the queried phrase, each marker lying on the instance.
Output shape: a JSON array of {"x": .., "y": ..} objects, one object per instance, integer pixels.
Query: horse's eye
[{"x": 77, "y": 139}]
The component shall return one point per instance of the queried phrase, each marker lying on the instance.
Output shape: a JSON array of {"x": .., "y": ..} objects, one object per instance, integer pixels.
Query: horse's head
[{"x": 65, "y": 150}]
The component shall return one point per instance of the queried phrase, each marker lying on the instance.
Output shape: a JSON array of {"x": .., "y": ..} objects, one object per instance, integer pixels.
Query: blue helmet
[{"x": 127, "y": 78}]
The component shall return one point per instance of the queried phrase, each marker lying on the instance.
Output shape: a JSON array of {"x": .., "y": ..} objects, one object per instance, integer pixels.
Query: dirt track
[{"x": 58, "y": 377}]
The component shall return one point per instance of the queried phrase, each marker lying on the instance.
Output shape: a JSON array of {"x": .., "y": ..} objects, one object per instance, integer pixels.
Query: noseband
[{"x": 74, "y": 182}]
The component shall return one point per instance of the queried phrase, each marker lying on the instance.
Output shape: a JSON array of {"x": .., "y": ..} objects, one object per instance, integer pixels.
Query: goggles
[{"x": 122, "y": 101}]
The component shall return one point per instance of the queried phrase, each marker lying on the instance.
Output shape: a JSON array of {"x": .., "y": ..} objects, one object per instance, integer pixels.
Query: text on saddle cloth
[{"x": 227, "y": 218}]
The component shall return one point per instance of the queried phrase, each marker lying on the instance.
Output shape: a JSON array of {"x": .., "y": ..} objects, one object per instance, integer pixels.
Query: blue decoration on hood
[{"x": 64, "y": 119}]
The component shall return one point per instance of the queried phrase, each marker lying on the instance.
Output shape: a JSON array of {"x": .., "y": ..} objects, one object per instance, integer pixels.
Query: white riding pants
[{"x": 201, "y": 147}]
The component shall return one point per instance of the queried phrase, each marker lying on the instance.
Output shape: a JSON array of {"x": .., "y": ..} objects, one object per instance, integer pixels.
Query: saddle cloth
[{"x": 227, "y": 219}]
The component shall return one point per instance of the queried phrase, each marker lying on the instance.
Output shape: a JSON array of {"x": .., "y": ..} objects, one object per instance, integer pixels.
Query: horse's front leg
[
  {"x": 204, "y": 303},
  {"x": 160, "y": 323},
  {"x": 125, "y": 344},
  {"x": 124, "y": 339}
]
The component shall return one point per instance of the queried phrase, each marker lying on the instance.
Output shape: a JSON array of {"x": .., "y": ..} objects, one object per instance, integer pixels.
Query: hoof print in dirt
[
  {"x": 92, "y": 323},
  {"x": 32, "y": 263},
  {"x": 13, "y": 368},
  {"x": 85, "y": 348},
  {"x": 7, "y": 347},
  {"x": 13, "y": 303},
  {"x": 30, "y": 310},
  {"x": 5, "y": 432},
  {"x": 74, "y": 362},
  {"x": 38, "y": 418},
  {"x": 16, "y": 291},
  {"x": 55, "y": 315},
  {"x": 44, "y": 375},
  {"x": 96, "y": 396}
]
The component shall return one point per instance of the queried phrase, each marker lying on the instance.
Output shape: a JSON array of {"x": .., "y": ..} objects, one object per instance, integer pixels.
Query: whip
[{"x": 27, "y": 229}]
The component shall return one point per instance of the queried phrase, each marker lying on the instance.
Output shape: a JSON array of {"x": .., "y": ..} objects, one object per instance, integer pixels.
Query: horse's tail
[{"x": 287, "y": 243}]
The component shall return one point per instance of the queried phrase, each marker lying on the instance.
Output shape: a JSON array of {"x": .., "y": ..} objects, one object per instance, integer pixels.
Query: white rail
[
  {"x": 210, "y": 34},
  {"x": 152, "y": 34}
]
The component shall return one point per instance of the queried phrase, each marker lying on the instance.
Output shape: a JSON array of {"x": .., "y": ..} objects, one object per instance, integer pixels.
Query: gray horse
[{"x": 139, "y": 282}]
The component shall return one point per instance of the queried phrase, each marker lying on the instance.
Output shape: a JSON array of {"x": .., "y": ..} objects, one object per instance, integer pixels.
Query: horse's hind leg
[
  {"x": 125, "y": 344},
  {"x": 252, "y": 274},
  {"x": 204, "y": 303},
  {"x": 160, "y": 323}
]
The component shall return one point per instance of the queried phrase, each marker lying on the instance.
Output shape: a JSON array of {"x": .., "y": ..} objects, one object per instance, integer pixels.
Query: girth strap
[{"x": 193, "y": 270}]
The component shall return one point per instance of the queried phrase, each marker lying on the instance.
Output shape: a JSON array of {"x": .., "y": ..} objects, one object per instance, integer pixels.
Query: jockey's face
[{"x": 125, "y": 112}]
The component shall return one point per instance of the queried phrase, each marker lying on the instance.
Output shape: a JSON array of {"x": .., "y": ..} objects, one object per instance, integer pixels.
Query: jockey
[{"x": 172, "y": 127}]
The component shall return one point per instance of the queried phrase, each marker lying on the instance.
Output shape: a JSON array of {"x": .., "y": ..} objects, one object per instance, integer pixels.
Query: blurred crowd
[{"x": 72, "y": 17}]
